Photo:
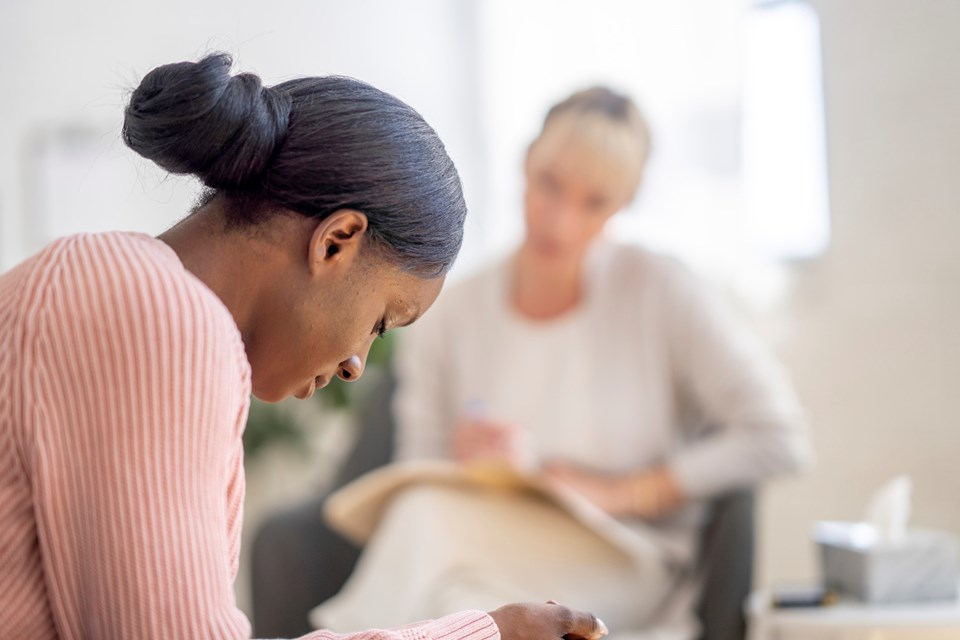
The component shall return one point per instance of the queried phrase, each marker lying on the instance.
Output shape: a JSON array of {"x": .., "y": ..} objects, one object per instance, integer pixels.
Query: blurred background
[{"x": 806, "y": 159}]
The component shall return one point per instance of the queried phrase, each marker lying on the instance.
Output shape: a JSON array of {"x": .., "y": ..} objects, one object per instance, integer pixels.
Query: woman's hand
[
  {"x": 648, "y": 494},
  {"x": 489, "y": 441},
  {"x": 535, "y": 621},
  {"x": 606, "y": 492}
]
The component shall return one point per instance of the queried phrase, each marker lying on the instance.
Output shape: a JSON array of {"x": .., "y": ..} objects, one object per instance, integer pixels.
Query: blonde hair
[{"x": 605, "y": 124}]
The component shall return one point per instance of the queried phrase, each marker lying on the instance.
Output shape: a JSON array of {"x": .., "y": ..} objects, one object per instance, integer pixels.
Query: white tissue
[{"x": 889, "y": 510}]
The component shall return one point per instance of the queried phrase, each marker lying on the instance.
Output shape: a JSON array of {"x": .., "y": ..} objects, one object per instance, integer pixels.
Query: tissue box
[{"x": 921, "y": 566}]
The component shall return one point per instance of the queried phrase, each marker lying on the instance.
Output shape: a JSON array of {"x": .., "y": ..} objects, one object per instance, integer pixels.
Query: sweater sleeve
[
  {"x": 139, "y": 393},
  {"x": 759, "y": 430},
  {"x": 465, "y": 625}
]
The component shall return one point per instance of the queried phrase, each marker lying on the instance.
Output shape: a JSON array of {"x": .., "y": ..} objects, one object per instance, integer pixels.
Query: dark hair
[{"x": 312, "y": 145}]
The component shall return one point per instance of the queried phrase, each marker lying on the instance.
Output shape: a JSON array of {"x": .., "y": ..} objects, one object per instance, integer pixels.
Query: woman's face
[
  {"x": 570, "y": 195},
  {"x": 322, "y": 323}
]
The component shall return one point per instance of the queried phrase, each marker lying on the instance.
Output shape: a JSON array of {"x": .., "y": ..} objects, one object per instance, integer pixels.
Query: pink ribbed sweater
[{"x": 124, "y": 390}]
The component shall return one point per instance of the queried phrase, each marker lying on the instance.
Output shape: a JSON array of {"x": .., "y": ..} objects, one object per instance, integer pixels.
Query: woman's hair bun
[{"x": 195, "y": 118}]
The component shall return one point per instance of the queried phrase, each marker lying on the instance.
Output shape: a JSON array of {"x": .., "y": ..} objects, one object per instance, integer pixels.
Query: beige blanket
[{"x": 440, "y": 537}]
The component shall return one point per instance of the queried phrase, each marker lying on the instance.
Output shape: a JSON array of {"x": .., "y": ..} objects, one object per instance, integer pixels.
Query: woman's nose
[{"x": 350, "y": 369}]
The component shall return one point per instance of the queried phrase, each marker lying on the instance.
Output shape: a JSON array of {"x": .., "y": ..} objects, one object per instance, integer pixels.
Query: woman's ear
[{"x": 336, "y": 240}]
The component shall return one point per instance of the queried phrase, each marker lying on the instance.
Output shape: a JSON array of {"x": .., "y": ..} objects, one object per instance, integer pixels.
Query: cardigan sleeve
[{"x": 759, "y": 429}]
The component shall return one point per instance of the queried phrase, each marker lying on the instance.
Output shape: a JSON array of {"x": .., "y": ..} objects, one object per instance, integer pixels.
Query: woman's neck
[
  {"x": 542, "y": 289},
  {"x": 233, "y": 265}
]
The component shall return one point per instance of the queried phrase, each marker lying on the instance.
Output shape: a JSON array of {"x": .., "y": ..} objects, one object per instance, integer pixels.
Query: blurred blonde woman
[{"x": 602, "y": 366}]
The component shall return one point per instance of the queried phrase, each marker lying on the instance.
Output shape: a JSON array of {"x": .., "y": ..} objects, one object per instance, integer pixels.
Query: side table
[{"x": 849, "y": 620}]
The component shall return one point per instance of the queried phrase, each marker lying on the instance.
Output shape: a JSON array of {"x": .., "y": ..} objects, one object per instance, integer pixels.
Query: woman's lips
[
  {"x": 307, "y": 391},
  {"x": 317, "y": 383}
]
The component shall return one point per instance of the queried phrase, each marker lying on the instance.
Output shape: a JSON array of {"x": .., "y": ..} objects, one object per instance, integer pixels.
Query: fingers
[
  {"x": 561, "y": 473},
  {"x": 585, "y": 625},
  {"x": 476, "y": 440},
  {"x": 526, "y": 621}
]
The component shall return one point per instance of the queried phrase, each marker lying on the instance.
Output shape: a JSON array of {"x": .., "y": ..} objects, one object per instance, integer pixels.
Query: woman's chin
[
  {"x": 265, "y": 393},
  {"x": 548, "y": 252}
]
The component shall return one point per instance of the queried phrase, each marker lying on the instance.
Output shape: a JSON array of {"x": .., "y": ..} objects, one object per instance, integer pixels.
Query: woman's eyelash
[{"x": 382, "y": 328}]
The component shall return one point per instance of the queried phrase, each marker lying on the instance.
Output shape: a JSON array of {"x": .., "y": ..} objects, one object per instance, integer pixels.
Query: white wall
[
  {"x": 872, "y": 330},
  {"x": 67, "y": 63}
]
